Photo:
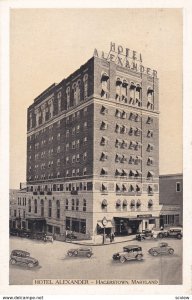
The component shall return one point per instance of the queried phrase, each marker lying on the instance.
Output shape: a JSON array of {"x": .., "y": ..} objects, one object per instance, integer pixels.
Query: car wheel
[
  {"x": 30, "y": 265},
  {"x": 122, "y": 259},
  {"x": 160, "y": 235},
  {"x": 70, "y": 253},
  {"x": 88, "y": 255},
  {"x": 154, "y": 253},
  {"x": 171, "y": 251},
  {"x": 139, "y": 257},
  {"x": 75, "y": 253},
  {"x": 179, "y": 236},
  {"x": 13, "y": 261}
]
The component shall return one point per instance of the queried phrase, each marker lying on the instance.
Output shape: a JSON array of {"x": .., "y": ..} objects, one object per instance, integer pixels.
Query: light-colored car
[
  {"x": 133, "y": 252},
  {"x": 163, "y": 248},
  {"x": 23, "y": 257}
]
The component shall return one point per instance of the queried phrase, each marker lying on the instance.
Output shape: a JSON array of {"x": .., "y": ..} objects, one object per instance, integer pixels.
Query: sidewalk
[{"x": 98, "y": 241}]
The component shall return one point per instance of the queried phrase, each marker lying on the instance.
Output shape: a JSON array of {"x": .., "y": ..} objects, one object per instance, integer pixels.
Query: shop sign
[{"x": 144, "y": 216}]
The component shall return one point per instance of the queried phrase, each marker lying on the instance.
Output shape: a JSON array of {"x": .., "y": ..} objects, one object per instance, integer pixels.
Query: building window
[
  {"x": 104, "y": 125},
  {"x": 150, "y": 161},
  {"x": 104, "y": 172},
  {"x": 67, "y": 147},
  {"x": 104, "y": 156},
  {"x": 118, "y": 89},
  {"x": 84, "y": 205},
  {"x": 59, "y": 101},
  {"x": 67, "y": 159},
  {"x": 68, "y": 97},
  {"x": 73, "y": 131},
  {"x": 67, "y": 173},
  {"x": 178, "y": 186},
  {"x": 58, "y": 136},
  {"x": 85, "y": 141},
  {"x": 118, "y": 113},
  {"x": 58, "y": 209},
  {"x": 138, "y": 95},
  {"x": 73, "y": 172},
  {"x": 73, "y": 145},
  {"x": 77, "y": 128},
  {"x": 124, "y": 91},
  {"x": 132, "y": 93},
  {"x": 66, "y": 204},
  {"x": 150, "y": 147},
  {"x": 104, "y": 85},
  {"x": 73, "y": 205},
  {"x": 77, "y": 172},
  {"x": 77, "y": 204},
  {"x": 77, "y": 144},
  {"x": 50, "y": 209},
  {"x": 104, "y": 187},
  {"x": 104, "y": 141},
  {"x": 58, "y": 162},
  {"x": 77, "y": 158},
  {"x": 67, "y": 120},
  {"x": 103, "y": 110},
  {"x": 73, "y": 159},
  {"x": 85, "y": 82},
  {"x": 150, "y": 101},
  {"x": 58, "y": 149},
  {"x": 84, "y": 171},
  {"x": 150, "y": 133},
  {"x": 35, "y": 206},
  {"x": 84, "y": 156},
  {"x": 29, "y": 205},
  {"x": 42, "y": 208}
]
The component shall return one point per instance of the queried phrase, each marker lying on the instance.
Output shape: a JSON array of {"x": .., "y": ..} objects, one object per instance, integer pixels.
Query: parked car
[
  {"x": 145, "y": 234},
  {"x": 13, "y": 232},
  {"x": 163, "y": 248},
  {"x": 23, "y": 257},
  {"x": 71, "y": 236},
  {"x": 129, "y": 253},
  {"x": 84, "y": 251},
  {"x": 38, "y": 235},
  {"x": 172, "y": 232},
  {"x": 175, "y": 232}
]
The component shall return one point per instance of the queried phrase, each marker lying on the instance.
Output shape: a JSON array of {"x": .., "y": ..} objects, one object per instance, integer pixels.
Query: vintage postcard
[{"x": 96, "y": 148}]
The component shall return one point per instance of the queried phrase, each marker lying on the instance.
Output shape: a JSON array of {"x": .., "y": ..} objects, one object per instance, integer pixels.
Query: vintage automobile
[
  {"x": 133, "y": 252},
  {"x": 23, "y": 257},
  {"x": 84, "y": 251},
  {"x": 172, "y": 232},
  {"x": 71, "y": 236},
  {"x": 144, "y": 235},
  {"x": 163, "y": 248}
]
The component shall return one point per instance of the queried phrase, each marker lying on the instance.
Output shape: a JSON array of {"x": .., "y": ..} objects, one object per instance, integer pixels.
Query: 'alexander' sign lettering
[{"x": 126, "y": 58}]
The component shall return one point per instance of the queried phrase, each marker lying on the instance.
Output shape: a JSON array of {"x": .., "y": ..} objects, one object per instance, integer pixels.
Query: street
[{"x": 55, "y": 264}]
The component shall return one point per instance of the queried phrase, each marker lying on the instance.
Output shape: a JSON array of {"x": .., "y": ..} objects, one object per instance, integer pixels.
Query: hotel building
[{"x": 93, "y": 151}]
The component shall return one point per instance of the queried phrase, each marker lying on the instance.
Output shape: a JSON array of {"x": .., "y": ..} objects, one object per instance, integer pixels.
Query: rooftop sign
[{"x": 126, "y": 58}]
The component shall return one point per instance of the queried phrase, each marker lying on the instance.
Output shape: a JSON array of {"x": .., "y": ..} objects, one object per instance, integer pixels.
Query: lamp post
[{"x": 104, "y": 222}]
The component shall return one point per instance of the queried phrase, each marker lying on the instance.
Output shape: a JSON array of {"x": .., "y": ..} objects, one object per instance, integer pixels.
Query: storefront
[
  {"x": 132, "y": 225},
  {"x": 36, "y": 224}
]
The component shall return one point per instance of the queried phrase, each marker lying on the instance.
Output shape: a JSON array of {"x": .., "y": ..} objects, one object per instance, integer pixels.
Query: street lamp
[{"x": 104, "y": 222}]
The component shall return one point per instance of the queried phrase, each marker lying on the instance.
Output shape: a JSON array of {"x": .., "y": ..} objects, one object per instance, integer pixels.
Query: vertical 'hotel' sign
[{"x": 126, "y": 58}]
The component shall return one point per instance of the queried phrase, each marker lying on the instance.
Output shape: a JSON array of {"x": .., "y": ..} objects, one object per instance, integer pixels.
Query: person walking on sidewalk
[{"x": 112, "y": 237}]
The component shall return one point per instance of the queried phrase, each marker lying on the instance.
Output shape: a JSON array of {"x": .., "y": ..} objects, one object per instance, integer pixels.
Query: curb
[{"x": 91, "y": 244}]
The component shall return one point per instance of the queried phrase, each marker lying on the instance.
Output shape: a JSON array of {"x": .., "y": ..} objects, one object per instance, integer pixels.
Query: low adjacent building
[{"x": 171, "y": 199}]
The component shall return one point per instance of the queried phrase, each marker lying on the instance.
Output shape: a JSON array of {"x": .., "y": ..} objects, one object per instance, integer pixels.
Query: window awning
[
  {"x": 104, "y": 77},
  {"x": 109, "y": 224},
  {"x": 150, "y": 173}
]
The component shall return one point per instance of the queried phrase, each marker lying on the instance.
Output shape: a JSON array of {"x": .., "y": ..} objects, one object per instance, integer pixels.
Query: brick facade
[{"x": 93, "y": 149}]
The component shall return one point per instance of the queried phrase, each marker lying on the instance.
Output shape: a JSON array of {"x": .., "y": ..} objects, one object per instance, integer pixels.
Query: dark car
[
  {"x": 163, "y": 248},
  {"x": 84, "y": 251},
  {"x": 23, "y": 257},
  {"x": 38, "y": 236},
  {"x": 145, "y": 234},
  {"x": 13, "y": 232},
  {"x": 71, "y": 236},
  {"x": 24, "y": 233},
  {"x": 133, "y": 252}
]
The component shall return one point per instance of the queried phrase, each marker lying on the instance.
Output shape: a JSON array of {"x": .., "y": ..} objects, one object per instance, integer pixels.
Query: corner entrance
[{"x": 126, "y": 226}]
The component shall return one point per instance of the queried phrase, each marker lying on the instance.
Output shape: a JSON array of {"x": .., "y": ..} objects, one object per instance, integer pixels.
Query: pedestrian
[{"x": 112, "y": 236}]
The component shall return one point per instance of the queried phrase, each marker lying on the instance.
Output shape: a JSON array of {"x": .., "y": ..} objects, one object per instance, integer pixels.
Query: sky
[{"x": 47, "y": 45}]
